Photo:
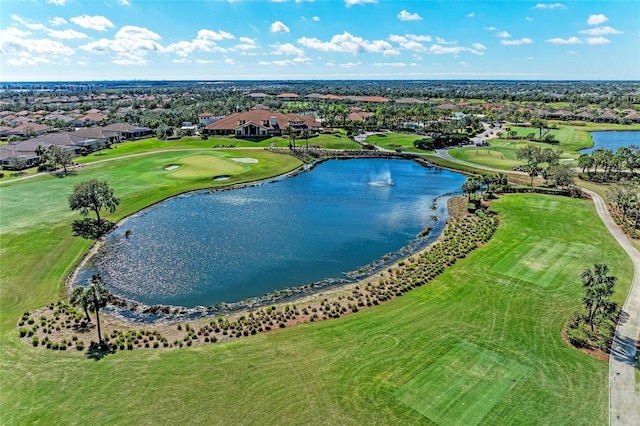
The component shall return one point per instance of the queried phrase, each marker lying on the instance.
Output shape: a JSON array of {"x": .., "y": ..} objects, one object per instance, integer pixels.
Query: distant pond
[
  {"x": 205, "y": 248},
  {"x": 613, "y": 140}
]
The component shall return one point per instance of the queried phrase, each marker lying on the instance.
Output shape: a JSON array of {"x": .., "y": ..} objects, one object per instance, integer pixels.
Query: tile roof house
[
  {"x": 288, "y": 97},
  {"x": 259, "y": 122},
  {"x": 129, "y": 131}
]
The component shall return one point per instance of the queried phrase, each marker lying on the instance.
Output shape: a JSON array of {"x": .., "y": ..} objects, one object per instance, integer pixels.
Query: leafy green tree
[
  {"x": 59, "y": 156},
  {"x": 560, "y": 175},
  {"x": 532, "y": 155},
  {"x": 597, "y": 286},
  {"x": 585, "y": 162},
  {"x": 93, "y": 195}
]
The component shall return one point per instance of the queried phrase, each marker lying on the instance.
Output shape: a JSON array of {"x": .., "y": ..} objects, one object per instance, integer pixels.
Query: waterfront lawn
[
  {"x": 482, "y": 315},
  {"x": 393, "y": 140},
  {"x": 337, "y": 141},
  {"x": 501, "y": 153}
]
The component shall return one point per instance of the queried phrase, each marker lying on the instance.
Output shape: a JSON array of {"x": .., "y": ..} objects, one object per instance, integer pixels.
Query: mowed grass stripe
[
  {"x": 344, "y": 371},
  {"x": 462, "y": 386}
]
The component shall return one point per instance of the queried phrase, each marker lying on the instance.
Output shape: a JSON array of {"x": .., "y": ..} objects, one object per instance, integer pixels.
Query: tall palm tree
[
  {"x": 98, "y": 297},
  {"x": 598, "y": 285},
  {"x": 306, "y": 134},
  {"x": 78, "y": 297}
]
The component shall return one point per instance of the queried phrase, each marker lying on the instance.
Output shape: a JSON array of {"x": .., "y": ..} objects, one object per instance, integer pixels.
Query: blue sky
[{"x": 57, "y": 40}]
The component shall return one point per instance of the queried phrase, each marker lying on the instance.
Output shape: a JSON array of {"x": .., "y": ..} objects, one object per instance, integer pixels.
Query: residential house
[
  {"x": 129, "y": 131},
  {"x": 288, "y": 97},
  {"x": 207, "y": 118},
  {"x": 259, "y": 122},
  {"x": 607, "y": 116}
]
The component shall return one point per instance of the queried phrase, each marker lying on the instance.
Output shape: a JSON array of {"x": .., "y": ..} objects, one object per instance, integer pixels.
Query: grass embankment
[
  {"x": 501, "y": 153},
  {"x": 492, "y": 321},
  {"x": 393, "y": 140}
]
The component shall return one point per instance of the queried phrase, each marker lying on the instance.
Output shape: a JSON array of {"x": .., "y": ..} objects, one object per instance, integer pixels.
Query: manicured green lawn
[
  {"x": 501, "y": 153},
  {"x": 485, "y": 317},
  {"x": 393, "y": 140}
]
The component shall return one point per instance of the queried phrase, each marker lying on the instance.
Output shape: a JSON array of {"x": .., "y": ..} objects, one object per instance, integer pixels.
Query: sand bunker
[{"x": 245, "y": 160}]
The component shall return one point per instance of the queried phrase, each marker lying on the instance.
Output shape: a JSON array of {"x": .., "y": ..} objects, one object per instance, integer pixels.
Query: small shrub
[{"x": 80, "y": 346}]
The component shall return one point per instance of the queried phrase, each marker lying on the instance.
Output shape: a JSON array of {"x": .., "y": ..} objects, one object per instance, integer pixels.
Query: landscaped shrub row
[{"x": 62, "y": 326}]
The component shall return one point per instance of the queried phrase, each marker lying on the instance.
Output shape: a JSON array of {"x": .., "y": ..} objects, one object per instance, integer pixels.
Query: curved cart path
[{"x": 624, "y": 402}]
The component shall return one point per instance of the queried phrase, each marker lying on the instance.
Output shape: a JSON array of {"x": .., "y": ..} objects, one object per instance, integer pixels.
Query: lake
[
  {"x": 205, "y": 248},
  {"x": 613, "y": 140}
]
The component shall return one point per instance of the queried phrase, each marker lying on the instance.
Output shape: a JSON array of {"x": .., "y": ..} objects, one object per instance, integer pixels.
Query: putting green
[
  {"x": 202, "y": 164},
  {"x": 461, "y": 386}
]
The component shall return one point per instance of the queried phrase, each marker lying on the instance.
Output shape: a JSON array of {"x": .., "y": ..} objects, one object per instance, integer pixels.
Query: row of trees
[
  {"x": 535, "y": 158},
  {"x": 624, "y": 158}
]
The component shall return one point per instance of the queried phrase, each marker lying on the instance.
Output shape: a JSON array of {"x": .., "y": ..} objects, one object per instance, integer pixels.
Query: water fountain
[{"x": 383, "y": 179}]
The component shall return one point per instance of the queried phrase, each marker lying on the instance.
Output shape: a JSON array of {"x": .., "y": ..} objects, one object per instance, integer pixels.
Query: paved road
[{"x": 624, "y": 402}]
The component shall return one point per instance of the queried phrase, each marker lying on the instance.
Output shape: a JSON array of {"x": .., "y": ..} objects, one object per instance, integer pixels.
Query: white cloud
[
  {"x": 285, "y": 62},
  {"x": 570, "y": 40},
  {"x": 57, "y": 2},
  {"x": 406, "y": 16},
  {"x": 390, "y": 64},
  {"x": 27, "y": 59},
  {"x": 443, "y": 41},
  {"x": 229, "y": 61},
  {"x": 316, "y": 18},
  {"x": 350, "y": 3},
  {"x": 503, "y": 34},
  {"x": 464, "y": 63},
  {"x": 599, "y": 31},
  {"x": 438, "y": 49},
  {"x": 16, "y": 42},
  {"x": 528, "y": 18},
  {"x": 205, "y": 41},
  {"x": 124, "y": 3},
  {"x": 279, "y": 27},
  {"x": 57, "y": 21},
  {"x": 549, "y": 6},
  {"x": 490, "y": 28},
  {"x": 66, "y": 34},
  {"x": 347, "y": 43},
  {"x": 410, "y": 41},
  {"x": 597, "y": 19},
  {"x": 516, "y": 42},
  {"x": 598, "y": 40},
  {"x": 344, "y": 65},
  {"x": 131, "y": 44},
  {"x": 204, "y": 61},
  {"x": 98, "y": 23},
  {"x": 215, "y": 35},
  {"x": 471, "y": 15},
  {"x": 246, "y": 43},
  {"x": 286, "y": 49}
]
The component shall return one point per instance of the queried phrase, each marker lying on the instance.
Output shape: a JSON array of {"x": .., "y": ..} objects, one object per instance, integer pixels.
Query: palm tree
[
  {"x": 306, "y": 134},
  {"x": 98, "y": 297},
  {"x": 470, "y": 186},
  {"x": 598, "y": 288},
  {"x": 78, "y": 297}
]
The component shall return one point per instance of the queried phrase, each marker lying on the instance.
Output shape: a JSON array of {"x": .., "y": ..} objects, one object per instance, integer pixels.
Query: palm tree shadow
[{"x": 97, "y": 352}]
